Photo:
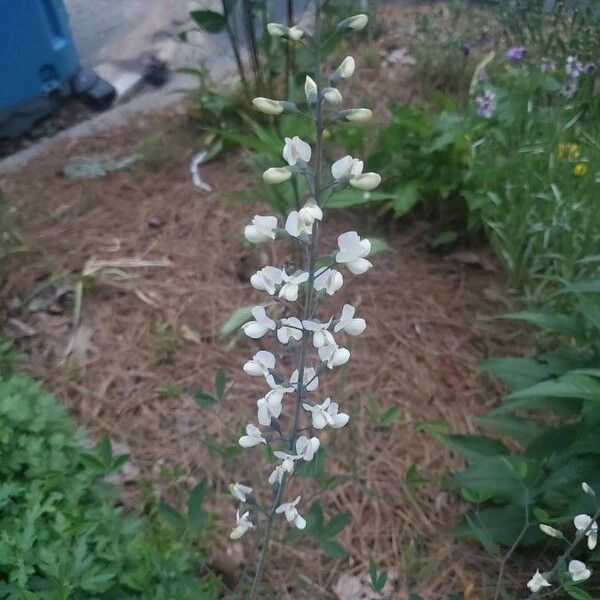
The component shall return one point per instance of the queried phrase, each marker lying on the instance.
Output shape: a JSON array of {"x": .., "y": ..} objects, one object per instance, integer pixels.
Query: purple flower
[
  {"x": 573, "y": 67},
  {"x": 569, "y": 88},
  {"x": 548, "y": 65},
  {"x": 515, "y": 53},
  {"x": 486, "y": 104},
  {"x": 466, "y": 48}
]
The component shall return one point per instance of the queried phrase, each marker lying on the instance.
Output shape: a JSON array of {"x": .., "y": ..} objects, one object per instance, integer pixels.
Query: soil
[{"x": 147, "y": 337}]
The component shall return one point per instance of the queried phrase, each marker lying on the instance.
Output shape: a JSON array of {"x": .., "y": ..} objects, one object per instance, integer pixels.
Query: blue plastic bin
[{"x": 37, "y": 54}]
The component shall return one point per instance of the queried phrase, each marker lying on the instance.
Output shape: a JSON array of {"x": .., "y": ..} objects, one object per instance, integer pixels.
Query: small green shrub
[{"x": 61, "y": 535}]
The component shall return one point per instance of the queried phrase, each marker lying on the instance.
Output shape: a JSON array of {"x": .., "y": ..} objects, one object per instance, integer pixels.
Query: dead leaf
[{"x": 189, "y": 334}]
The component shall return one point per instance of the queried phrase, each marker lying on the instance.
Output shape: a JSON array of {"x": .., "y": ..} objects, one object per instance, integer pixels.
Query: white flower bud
[
  {"x": 277, "y": 30},
  {"x": 358, "y": 115},
  {"x": 310, "y": 90},
  {"x": 355, "y": 23},
  {"x": 295, "y": 33},
  {"x": 268, "y": 106},
  {"x": 276, "y": 175},
  {"x": 555, "y": 533},
  {"x": 333, "y": 96},
  {"x": 587, "y": 489},
  {"x": 366, "y": 181},
  {"x": 346, "y": 68}
]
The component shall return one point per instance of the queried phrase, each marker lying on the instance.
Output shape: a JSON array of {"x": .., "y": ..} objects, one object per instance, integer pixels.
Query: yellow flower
[
  {"x": 580, "y": 170},
  {"x": 572, "y": 151}
]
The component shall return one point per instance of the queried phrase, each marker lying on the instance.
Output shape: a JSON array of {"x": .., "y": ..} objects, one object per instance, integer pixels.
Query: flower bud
[
  {"x": 587, "y": 488},
  {"x": 344, "y": 71},
  {"x": 354, "y": 23},
  {"x": 276, "y": 175},
  {"x": 333, "y": 96},
  {"x": 295, "y": 33},
  {"x": 290, "y": 33},
  {"x": 310, "y": 90},
  {"x": 358, "y": 115},
  {"x": 366, "y": 181},
  {"x": 268, "y": 106},
  {"x": 555, "y": 533}
]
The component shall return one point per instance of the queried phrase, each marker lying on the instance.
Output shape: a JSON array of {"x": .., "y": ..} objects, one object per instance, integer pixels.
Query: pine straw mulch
[{"x": 141, "y": 347}]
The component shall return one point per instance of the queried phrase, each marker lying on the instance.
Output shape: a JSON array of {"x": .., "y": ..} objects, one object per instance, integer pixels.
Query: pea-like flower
[
  {"x": 586, "y": 523},
  {"x": 321, "y": 334},
  {"x": 278, "y": 473},
  {"x": 354, "y": 23},
  {"x": 346, "y": 69},
  {"x": 329, "y": 280},
  {"x": 306, "y": 448},
  {"x": 282, "y": 31},
  {"x": 261, "y": 364},
  {"x": 332, "y": 96},
  {"x": 350, "y": 170},
  {"x": 349, "y": 323},
  {"x": 252, "y": 438},
  {"x": 310, "y": 380},
  {"x": 579, "y": 571},
  {"x": 268, "y": 106},
  {"x": 243, "y": 523},
  {"x": 276, "y": 175},
  {"x": 356, "y": 115},
  {"x": 537, "y": 582},
  {"x": 333, "y": 355},
  {"x": 291, "y": 513},
  {"x": 296, "y": 150},
  {"x": 261, "y": 325},
  {"x": 239, "y": 491},
  {"x": 267, "y": 279},
  {"x": 326, "y": 414},
  {"x": 310, "y": 90},
  {"x": 261, "y": 229},
  {"x": 278, "y": 390},
  {"x": 290, "y": 329},
  {"x": 268, "y": 407},
  {"x": 352, "y": 252},
  {"x": 291, "y": 285},
  {"x": 301, "y": 221}
]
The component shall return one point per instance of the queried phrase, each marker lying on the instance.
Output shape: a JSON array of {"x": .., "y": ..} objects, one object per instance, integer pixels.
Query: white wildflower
[
  {"x": 243, "y": 523},
  {"x": 291, "y": 513},
  {"x": 537, "y": 582},
  {"x": 261, "y": 229},
  {"x": 333, "y": 355},
  {"x": 261, "y": 325},
  {"x": 310, "y": 381},
  {"x": 267, "y": 279},
  {"x": 586, "y": 523},
  {"x": 296, "y": 150},
  {"x": 329, "y": 280},
  {"x": 291, "y": 285},
  {"x": 352, "y": 252},
  {"x": 252, "y": 438},
  {"x": 579, "y": 571},
  {"x": 326, "y": 414},
  {"x": 239, "y": 491},
  {"x": 261, "y": 364},
  {"x": 321, "y": 334},
  {"x": 290, "y": 329},
  {"x": 349, "y": 323}
]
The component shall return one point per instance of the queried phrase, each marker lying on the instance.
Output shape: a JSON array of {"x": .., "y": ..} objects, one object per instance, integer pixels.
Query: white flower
[
  {"x": 555, "y": 533},
  {"x": 256, "y": 329},
  {"x": 358, "y": 115},
  {"x": 310, "y": 381},
  {"x": 334, "y": 356},
  {"x": 346, "y": 68},
  {"x": 269, "y": 406},
  {"x": 277, "y": 30},
  {"x": 329, "y": 280},
  {"x": 267, "y": 279},
  {"x": 243, "y": 523},
  {"x": 348, "y": 323},
  {"x": 291, "y": 328},
  {"x": 291, "y": 285},
  {"x": 537, "y": 582},
  {"x": 366, "y": 181},
  {"x": 291, "y": 513},
  {"x": 579, "y": 571},
  {"x": 276, "y": 175},
  {"x": 356, "y": 23},
  {"x": 268, "y": 106},
  {"x": 310, "y": 90},
  {"x": 306, "y": 448},
  {"x": 277, "y": 390},
  {"x": 287, "y": 466},
  {"x": 299, "y": 222},
  {"x": 261, "y": 229},
  {"x": 321, "y": 335},
  {"x": 261, "y": 364},
  {"x": 253, "y": 437},
  {"x": 296, "y": 149},
  {"x": 346, "y": 167},
  {"x": 332, "y": 96},
  {"x": 240, "y": 491},
  {"x": 585, "y": 523},
  {"x": 352, "y": 252},
  {"x": 326, "y": 414}
]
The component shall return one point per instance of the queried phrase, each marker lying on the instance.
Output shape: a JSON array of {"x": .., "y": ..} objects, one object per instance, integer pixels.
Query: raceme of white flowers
[{"x": 318, "y": 344}]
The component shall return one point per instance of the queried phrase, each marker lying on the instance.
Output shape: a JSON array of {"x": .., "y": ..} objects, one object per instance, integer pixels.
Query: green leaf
[
  {"x": 517, "y": 372},
  {"x": 590, "y": 309},
  {"x": 444, "y": 239},
  {"x": 573, "y": 591},
  {"x": 204, "y": 400},
  {"x": 474, "y": 446},
  {"x": 586, "y": 286},
  {"x": 195, "y": 499},
  {"x": 333, "y": 549},
  {"x": 336, "y": 524},
  {"x": 236, "y": 320},
  {"x": 105, "y": 450},
  {"x": 220, "y": 379},
  {"x": 352, "y": 197},
  {"x": 378, "y": 245},
  {"x": 577, "y": 385},
  {"x": 92, "y": 462},
  {"x": 405, "y": 197},
  {"x": 519, "y": 429},
  {"x": 119, "y": 462},
  {"x": 171, "y": 515},
  {"x": 315, "y": 517},
  {"x": 208, "y": 20},
  {"x": 390, "y": 416},
  {"x": 413, "y": 478},
  {"x": 554, "y": 322}
]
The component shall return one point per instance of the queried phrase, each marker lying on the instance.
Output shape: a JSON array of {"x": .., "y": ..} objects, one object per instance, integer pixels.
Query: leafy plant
[
  {"x": 205, "y": 400},
  {"x": 61, "y": 535},
  {"x": 378, "y": 578}
]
